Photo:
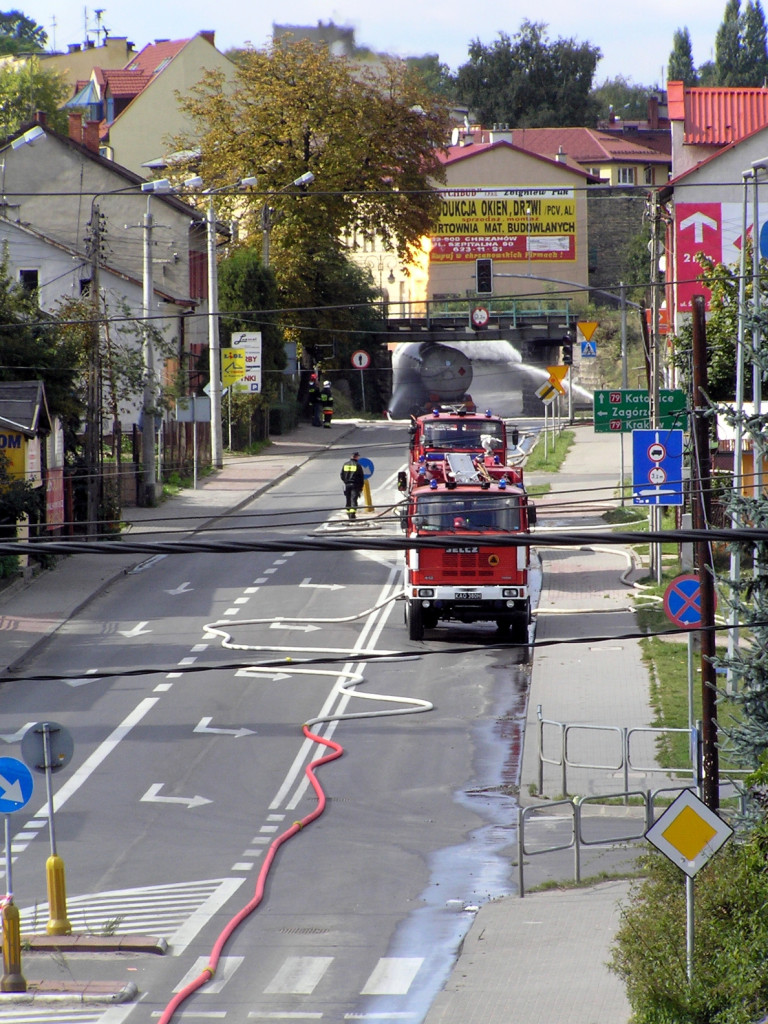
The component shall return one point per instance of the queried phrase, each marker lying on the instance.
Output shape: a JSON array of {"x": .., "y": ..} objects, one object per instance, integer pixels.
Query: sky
[{"x": 635, "y": 39}]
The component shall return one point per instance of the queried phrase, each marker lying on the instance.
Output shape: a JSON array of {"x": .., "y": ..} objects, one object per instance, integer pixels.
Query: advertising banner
[{"x": 506, "y": 224}]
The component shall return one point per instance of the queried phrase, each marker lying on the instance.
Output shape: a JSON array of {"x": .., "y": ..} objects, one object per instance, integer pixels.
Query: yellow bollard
[
  {"x": 367, "y": 497},
  {"x": 58, "y": 924},
  {"x": 12, "y": 980}
]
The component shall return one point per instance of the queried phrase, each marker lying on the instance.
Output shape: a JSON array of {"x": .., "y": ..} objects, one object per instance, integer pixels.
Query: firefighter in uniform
[
  {"x": 353, "y": 478},
  {"x": 326, "y": 403},
  {"x": 313, "y": 396}
]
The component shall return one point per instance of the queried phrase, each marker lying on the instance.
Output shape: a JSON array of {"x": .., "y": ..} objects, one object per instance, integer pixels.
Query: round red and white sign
[{"x": 361, "y": 359}]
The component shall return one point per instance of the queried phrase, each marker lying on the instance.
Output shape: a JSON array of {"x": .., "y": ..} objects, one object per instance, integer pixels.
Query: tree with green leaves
[
  {"x": 728, "y": 51},
  {"x": 20, "y": 34},
  {"x": 436, "y": 76},
  {"x": 681, "y": 67},
  {"x": 25, "y": 88},
  {"x": 369, "y": 136},
  {"x": 753, "y": 40},
  {"x": 248, "y": 293},
  {"x": 528, "y": 81},
  {"x": 741, "y": 58},
  {"x": 620, "y": 95}
]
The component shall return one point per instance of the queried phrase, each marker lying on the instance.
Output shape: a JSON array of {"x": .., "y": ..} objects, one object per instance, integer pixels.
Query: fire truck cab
[
  {"x": 474, "y": 573},
  {"x": 481, "y": 436}
]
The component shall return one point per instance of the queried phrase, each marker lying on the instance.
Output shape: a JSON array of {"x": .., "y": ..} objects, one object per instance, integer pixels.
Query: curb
[{"x": 85, "y": 992}]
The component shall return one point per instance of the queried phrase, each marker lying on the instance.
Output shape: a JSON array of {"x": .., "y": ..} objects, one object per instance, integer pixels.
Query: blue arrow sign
[
  {"x": 367, "y": 467},
  {"x": 16, "y": 785}
]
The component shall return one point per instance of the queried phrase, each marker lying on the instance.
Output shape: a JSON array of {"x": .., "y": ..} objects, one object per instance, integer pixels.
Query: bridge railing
[{"x": 508, "y": 312}]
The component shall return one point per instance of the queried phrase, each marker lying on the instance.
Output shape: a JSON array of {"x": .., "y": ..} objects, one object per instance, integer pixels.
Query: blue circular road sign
[
  {"x": 682, "y": 600},
  {"x": 16, "y": 785},
  {"x": 367, "y": 467}
]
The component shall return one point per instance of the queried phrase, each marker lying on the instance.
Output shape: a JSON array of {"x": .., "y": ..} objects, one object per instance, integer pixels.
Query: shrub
[{"x": 730, "y": 961}]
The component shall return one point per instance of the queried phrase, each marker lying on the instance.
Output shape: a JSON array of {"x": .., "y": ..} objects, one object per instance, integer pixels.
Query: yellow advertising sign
[
  {"x": 232, "y": 366},
  {"x": 588, "y": 329},
  {"x": 13, "y": 446},
  {"x": 510, "y": 224}
]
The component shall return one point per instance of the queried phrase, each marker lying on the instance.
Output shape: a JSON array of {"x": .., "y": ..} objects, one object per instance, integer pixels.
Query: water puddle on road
[{"x": 464, "y": 877}]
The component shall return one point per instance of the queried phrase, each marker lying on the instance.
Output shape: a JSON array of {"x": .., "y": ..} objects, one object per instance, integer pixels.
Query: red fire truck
[
  {"x": 480, "y": 435},
  {"x": 468, "y": 577}
]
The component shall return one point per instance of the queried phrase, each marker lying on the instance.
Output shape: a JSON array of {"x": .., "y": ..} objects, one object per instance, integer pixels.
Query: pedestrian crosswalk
[
  {"x": 175, "y": 912},
  {"x": 58, "y": 1014}
]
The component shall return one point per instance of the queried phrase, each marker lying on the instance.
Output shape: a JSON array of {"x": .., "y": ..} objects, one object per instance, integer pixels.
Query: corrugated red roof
[
  {"x": 717, "y": 116},
  {"x": 155, "y": 56}
]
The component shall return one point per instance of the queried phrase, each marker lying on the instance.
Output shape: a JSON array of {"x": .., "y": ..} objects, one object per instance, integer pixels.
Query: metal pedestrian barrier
[{"x": 557, "y": 751}]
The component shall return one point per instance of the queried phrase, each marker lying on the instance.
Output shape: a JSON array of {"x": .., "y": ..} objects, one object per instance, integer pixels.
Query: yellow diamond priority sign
[{"x": 689, "y": 833}]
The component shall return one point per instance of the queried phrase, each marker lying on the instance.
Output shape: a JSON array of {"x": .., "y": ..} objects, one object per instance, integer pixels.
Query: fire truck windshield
[
  {"x": 474, "y": 512},
  {"x": 458, "y": 435}
]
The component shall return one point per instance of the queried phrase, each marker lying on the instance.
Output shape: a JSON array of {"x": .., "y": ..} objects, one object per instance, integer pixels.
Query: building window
[
  {"x": 28, "y": 279},
  {"x": 626, "y": 175},
  {"x": 648, "y": 176}
]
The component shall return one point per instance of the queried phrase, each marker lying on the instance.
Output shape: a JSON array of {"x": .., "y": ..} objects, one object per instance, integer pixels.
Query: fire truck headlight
[
  {"x": 426, "y": 592},
  {"x": 510, "y": 592}
]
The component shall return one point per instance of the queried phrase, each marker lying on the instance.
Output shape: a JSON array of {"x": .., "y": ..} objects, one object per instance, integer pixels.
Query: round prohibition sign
[
  {"x": 657, "y": 452},
  {"x": 682, "y": 601},
  {"x": 361, "y": 360}
]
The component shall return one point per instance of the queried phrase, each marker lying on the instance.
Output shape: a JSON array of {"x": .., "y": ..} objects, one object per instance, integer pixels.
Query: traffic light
[
  {"x": 484, "y": 277},
  {"x": 567, "y": 351}
]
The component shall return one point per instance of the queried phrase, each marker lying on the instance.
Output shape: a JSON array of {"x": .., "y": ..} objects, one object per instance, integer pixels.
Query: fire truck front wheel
[{"x": 414, "y": 619}]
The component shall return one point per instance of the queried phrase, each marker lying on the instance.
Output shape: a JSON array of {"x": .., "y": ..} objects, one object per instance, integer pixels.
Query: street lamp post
[
  {"x": 267, "y": 213},
  {"x": 149, "y": 398},
  {"x": 214, "y": 343}
]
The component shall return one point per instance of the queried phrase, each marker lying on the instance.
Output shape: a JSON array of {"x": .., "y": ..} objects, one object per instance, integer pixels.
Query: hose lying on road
[{"x": 413, "y": 705}]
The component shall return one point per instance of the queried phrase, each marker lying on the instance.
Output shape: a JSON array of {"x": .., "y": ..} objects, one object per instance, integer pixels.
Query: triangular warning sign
[{"x": 588, "y": 329}]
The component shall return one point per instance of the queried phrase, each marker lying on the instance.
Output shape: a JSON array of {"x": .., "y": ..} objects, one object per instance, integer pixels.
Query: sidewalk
[
  {"x": 536, "y": 960},
  {"x": 542, "y": 959}
]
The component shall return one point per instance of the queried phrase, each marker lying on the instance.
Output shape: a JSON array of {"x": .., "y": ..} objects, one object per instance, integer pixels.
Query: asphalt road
[{"x": 185, "y": 686}]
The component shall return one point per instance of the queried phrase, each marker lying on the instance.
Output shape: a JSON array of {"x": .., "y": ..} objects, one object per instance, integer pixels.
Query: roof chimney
[
  {"x": 209, "y": 35},
  {"x": 91, "y": 136},
  {"x": 561, "y": 156},
  {"x": 76, "y": 126}
]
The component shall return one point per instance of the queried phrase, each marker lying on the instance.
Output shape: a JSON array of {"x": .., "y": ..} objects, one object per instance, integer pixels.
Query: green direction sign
[{"x": 624, "y": 410}]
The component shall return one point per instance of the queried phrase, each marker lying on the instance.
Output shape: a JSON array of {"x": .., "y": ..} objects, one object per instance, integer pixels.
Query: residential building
[
  {"x": 136, "y": 104},
  {"x": 526, "y": 212},
  {"x": 68, "y": 216},
  {"x": 717, "y": 134},
  {"x": 80, "y": 59}
]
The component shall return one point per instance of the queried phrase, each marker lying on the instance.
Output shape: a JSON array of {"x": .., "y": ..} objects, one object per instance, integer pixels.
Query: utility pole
[
  {"x": 149, "y": 399},
  {"x": 93, "y": 393},
  {"x": 701, "y": 506}
]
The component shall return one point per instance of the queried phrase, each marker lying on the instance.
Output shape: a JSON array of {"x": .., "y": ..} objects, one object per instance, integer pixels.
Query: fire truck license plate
[{"x": 465, "y": 595}]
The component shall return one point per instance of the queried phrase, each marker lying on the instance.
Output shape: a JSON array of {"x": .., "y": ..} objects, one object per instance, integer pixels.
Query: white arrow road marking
[
  {"x": 321, "y": 586},
  {"x": 136, "y": 631},
  {"x": 15, "y": 737},
  {"x": 204, "y": 725},
  {"x": 183, "y": 588},
  {"x": 303, "y": 627},
  {"x": 151, "y": 796},
  {"x": 254, "y": 670},
  {"x": 11, "y": 790},
  {"x": 84, "y": 680}
]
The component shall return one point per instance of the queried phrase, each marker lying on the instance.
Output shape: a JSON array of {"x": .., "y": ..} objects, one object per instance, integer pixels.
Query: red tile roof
[
  {"x": 452, "y": 154},
  {"x": 717, "y": 116},
  {"x": 122, "y": 84},
  {"x": 585, "y": 145},
  {"x": 155, "y": 56}
]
